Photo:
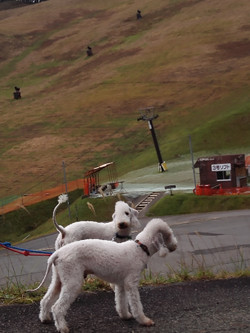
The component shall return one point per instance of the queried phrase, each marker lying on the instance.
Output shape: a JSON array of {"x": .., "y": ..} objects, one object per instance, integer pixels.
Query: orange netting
[{"x": 30, "y": 199}]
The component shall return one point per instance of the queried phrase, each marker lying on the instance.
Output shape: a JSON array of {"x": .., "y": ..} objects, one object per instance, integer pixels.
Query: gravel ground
[{"x": 220, "y": 306}]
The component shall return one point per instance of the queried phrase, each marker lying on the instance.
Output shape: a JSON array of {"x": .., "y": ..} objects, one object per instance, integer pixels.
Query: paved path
[
  {"x": 218, "y": 241},
  {"x": 220, "y": 306}
]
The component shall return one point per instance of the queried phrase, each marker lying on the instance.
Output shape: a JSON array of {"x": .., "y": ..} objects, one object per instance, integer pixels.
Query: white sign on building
[{"x": 221, "y": 167}]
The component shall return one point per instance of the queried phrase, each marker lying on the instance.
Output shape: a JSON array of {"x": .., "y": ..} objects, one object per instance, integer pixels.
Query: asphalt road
[{"x": 218, "y": 241}]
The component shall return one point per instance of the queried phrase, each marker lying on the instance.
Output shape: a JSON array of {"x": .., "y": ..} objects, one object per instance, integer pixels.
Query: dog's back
[
  {"x": 85, "y": 230},
  {"x": 107, "y": 260}
]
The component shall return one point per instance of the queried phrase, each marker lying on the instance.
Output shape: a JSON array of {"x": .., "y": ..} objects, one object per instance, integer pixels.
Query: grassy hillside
[
  {"x": 36, "y": 220},
  {"x": 188, "y": 58}
]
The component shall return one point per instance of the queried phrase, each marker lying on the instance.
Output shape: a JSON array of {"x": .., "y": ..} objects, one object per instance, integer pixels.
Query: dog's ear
[
  {"x": 159, "y": 244},
  {"x": 113, "y": 216},
  {"x": 169, "y": 239},
  {"x": 135, "y": 212},
  {"x": 134, "y": 218},
  {"x": 131, "y": 204}
]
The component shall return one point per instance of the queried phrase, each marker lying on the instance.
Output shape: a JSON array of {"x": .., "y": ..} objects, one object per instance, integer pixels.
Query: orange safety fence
[
  {"x": 209, "y": 190},
  {"x": 30, "y": 199}
]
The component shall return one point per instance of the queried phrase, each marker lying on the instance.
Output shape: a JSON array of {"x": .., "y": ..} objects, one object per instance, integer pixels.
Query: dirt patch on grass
[
  {"x": 34, "y": 144},
  {"x": 89, "y": 72},
  {"x": 237, "y": 49}
]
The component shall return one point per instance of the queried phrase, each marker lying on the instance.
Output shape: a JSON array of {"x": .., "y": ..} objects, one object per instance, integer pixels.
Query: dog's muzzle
[{"x": 122, "y": 225}]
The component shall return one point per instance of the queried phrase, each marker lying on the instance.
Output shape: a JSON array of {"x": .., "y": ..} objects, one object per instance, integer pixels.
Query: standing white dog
[
  {"x": 117, "y": 263},
  {"x": 124, "y": 220}
]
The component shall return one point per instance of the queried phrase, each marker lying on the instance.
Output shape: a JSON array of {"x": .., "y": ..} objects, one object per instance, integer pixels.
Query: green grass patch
[
  {"x": 21, "y": 223},
  {"x": 190, "y": 203},
  {"x": 185, "y": 273},
  {"x": 132, "y": 38},
  {"x": 17, "y": 293}
]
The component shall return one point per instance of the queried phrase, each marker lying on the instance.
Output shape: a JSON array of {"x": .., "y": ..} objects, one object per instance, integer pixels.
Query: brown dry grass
[{"x": 183, "y": 57}]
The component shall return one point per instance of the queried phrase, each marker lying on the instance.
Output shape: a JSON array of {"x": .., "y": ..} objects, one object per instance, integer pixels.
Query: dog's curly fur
[
  {"x": 124, "y": 220},
  {"x": 117, "y": 263}
]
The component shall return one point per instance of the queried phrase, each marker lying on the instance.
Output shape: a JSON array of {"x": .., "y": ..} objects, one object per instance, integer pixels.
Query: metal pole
[
  {"x": 149, "y": 116},
  {"x": 152, "y": 130},
  {"x": 66, "y": 189},
  {"x": 192, "y": 157}
]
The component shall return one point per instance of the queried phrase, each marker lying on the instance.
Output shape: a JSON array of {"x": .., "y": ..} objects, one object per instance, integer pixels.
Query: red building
[{"x": 226, "y": 174}]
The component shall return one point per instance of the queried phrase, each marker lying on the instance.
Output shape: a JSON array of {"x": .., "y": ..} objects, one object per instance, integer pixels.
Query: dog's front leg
[
  {"x": 122, "y": 302},
  {"x": 136, "y": 307}
]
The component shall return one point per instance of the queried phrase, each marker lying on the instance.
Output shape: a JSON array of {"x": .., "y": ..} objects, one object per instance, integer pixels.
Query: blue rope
[{"x": 8, "y": 244}]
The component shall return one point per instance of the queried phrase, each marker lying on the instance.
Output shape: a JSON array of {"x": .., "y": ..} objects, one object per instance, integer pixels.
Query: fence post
[
  {"x": 192, "y": 157},
  {"x": 66, "y": 188}
]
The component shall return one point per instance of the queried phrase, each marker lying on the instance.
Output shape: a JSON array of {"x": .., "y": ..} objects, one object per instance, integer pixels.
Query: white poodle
[
  {"x": 124, "y": 220},
  {"x": 117, "y": 263}
]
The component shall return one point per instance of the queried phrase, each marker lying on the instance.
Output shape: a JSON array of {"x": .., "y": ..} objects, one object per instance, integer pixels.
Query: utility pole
[
  {"x": 147, "y": 114},
  {"x": 66, "y": 188},
  {"x": 192, "y": 158}
]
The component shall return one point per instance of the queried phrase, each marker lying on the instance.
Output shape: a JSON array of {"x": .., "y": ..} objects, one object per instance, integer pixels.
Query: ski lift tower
[{"x": 147, "y": 114}]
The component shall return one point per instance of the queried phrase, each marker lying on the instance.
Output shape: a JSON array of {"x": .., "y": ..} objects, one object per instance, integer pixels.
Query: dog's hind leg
[
  {"x": 50, "y": 297},
  {"x": 71, "y": 287},
  {"x": 121, "y": 302}
]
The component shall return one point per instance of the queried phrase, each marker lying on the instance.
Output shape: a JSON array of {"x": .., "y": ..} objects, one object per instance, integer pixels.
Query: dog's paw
[
  {"x": 126, "y": 316},
  {"x": 45, "y": 319},
  {"x": 148, "y": 322}
]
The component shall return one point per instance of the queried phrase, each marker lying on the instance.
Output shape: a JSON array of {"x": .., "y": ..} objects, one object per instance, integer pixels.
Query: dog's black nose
[{"x": 122, "y": 225}]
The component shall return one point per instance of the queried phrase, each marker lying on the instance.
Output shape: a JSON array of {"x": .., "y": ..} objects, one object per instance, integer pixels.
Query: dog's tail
[
  {"x": 61, "y": 199},
  {"x": 49, "y": 264}
]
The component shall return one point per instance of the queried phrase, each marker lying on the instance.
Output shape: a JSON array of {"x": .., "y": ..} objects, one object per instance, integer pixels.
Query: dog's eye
[{"x": 127, "y": 213}]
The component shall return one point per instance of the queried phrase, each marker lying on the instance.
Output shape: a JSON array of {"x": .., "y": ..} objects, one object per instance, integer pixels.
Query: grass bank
[
  {"x": 190, "y": 203},
  {"x": 36, "y": 220}
]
